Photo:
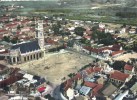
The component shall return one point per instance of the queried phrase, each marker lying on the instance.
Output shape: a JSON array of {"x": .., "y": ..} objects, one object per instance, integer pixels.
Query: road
[
  {"x": 57, "y": 94},
  {"x": 79, "y": 52}
]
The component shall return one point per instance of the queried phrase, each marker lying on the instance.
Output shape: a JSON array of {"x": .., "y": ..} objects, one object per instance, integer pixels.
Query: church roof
[{"x": 27, "y": 46}]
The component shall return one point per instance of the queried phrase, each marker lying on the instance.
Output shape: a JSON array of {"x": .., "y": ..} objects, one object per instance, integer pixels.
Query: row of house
[
  {"x": 93, "y": 82},
  {"x": 17, "y": 81},
  {"x": 104, "y": 53}
]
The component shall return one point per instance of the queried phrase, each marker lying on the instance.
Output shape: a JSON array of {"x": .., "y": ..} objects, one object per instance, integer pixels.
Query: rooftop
[
  {"x": 128, "y": 67},
  {"x": 27, "y": 46},
  {"x": 90, "y": 84},
  {"x": 119, "y": 75},
  {"x": 117, "y": 52}
]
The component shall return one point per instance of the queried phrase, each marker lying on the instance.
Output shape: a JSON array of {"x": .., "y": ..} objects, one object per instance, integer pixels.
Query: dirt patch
[{"x": 56, "y": 66}]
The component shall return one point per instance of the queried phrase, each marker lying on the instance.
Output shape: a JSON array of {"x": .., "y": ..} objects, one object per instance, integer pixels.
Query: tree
[
  {"x": 79, "y": 31},
  {"x": 103, "y": 38},
  {"x": 6, "y": 38},
  {"x": 18, "y": 27},
  {"x": 55, "y": 29},
  {"x": 135, "y": 45},
  {"x": 14, "y": 40},
  {"x": 119, "y": 65}
]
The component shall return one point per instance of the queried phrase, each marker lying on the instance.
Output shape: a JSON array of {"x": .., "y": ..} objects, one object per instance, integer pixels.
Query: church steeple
[{"x": 40, "y": 34}]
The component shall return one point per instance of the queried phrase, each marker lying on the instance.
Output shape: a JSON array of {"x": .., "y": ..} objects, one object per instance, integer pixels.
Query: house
[
  {"x": 128, "y": 69},
  {"x": 14, "y": 77},
  {"x": 89, "y": 70},
  {"x": 107, "y": 69},
  {"x": 108, "y": 30},
  {"x": 28, "y": 76},
  {"x": 118, "y": 77},
  {"x": 100, "y": 52},
  {"x": 67, "y": 84},
  {"x": 116, "y": 47},
  {"x": 85, "y": 90},
  {"x": 132, "y": 31},
  {"x": 96, "y": 90},
  {"x": 117, "y": 53},
  {"x": 123, "y": 30},
  {"x": 90, "y": 84},
  {"x": 70, "y": 93},
  {"x": 102, "y": 26}
]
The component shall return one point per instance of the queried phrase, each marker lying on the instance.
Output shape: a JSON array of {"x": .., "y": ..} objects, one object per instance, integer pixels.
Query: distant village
[{"x": 111, "y": 76}]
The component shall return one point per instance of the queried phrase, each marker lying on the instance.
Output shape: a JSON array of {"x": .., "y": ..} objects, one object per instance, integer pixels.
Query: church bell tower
[{"x": 40, "y": 34}]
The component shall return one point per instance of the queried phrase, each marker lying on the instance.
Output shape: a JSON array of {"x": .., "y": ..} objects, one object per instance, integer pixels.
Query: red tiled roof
[
  {"x": 41, "y": 89},
  {"x": 12, "y": 79},
  {"x": 50, "y": 41},
  {"x": 90, "y": 84},
  {"x": 128, "y": 67},
  {"x": 11, "y": 25},
  {"x": 87, "y": 48},
  {"x": 119, "y": 75},
  {"x": 15, "y": 22},
  {"x": 97, "y": 69},
  {"x": 4, "y": 18},
  {"x": 77, "y": 76},
  {"x": 25, "y": 21},
  {"x": 96, "y": 89},
  {"x": 3, "y": 30},
  {"x": 14, "y": 76},
  {"x": 89, "y": 70},
  {"x": 117, "y": 52},
  {"x": 116, "y": 47},
  {"x": 105, "y": 48},
  {"x": 96, "y": 50},
  {"x": 67, "y": 84}
]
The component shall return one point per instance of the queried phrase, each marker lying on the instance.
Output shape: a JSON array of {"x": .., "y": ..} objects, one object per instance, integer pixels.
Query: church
[{"x": 30, "y": 50}]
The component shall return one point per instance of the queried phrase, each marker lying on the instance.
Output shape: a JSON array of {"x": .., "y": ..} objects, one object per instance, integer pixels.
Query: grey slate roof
[{"x": 27, "y": 47}]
